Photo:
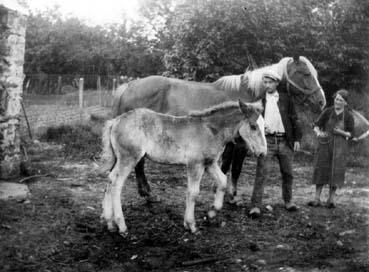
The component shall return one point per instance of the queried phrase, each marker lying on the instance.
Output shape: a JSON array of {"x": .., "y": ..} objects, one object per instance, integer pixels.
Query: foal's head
[{"x": 252, "y": 129}]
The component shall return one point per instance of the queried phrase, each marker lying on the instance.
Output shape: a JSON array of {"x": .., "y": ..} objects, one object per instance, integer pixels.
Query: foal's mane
[
  {"x": 220, "y": 108},
  {"x": 232, "y": 83},
  {"x": 223, "y": 108}
]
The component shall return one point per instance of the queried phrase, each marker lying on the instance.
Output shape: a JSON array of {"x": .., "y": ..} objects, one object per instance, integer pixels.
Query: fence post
[
  {"x": 80, "y": 91},
  {"x": 99, "y": 90},
  {"x": 58, "y": 90},
  {"x": 114, "y": 84}
]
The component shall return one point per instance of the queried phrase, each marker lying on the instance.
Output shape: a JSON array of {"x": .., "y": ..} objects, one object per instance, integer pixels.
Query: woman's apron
[{"x": 331, "y": 156}]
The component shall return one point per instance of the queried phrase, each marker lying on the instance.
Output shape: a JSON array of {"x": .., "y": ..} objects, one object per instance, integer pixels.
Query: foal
[{"x": 196, "y": 140}]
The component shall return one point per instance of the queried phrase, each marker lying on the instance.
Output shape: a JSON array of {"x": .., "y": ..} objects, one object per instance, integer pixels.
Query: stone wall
[{"x": 12, "y": 44}]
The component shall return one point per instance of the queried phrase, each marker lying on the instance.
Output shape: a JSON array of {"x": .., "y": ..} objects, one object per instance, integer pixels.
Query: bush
[{"x": 79, "y": 141}]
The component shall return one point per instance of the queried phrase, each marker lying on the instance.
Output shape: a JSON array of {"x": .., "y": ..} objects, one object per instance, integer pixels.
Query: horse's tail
[
  {"x": 108, "y": 157},
  {"x": 117, "y": 98}
]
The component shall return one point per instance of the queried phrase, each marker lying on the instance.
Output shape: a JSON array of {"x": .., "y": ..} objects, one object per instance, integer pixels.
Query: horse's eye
[{"x": 253, "y": 126}]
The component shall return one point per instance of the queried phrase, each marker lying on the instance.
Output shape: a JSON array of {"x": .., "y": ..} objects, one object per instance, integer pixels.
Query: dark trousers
[{"x": 277, "y": 147}]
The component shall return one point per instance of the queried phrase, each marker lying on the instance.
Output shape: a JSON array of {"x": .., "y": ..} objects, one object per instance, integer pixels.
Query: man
[{"x": 283, "y": 134}]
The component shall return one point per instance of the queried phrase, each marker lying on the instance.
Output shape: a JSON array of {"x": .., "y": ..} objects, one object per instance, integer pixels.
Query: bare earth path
[{"x": 58, "y": 228}]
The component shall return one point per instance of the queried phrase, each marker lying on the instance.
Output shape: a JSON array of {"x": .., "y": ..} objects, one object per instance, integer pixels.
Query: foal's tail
[{"x": 108, "y": 157}]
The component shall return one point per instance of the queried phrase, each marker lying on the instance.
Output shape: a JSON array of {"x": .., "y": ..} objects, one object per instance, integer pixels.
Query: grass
[{"x": 79, "y": 141}]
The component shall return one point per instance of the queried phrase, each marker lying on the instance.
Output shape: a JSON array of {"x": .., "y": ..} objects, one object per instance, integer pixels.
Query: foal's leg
[
  {"x": 221, "y": 180},
  {"x": 194, "y": 174},
  {"x": 118, "y": 176},
  {"x": 107, "y": 204}
]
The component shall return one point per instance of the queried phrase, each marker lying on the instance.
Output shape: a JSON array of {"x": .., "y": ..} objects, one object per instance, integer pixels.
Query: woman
[{"x": 334, "y": 127}]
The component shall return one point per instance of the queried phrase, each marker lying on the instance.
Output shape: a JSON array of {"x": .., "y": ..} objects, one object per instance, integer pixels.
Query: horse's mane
[
  {"x": 229, "y": 105},
  {"x": 223, "y": 107},
  {"x": 232, "y": 83}
]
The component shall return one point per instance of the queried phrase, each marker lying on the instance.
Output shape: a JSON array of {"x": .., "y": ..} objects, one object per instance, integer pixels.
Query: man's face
[{"x": 270, "y": 84}]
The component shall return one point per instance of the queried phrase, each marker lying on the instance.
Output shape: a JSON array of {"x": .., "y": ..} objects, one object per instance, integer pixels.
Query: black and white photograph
[{"x": 184, "y": 135}]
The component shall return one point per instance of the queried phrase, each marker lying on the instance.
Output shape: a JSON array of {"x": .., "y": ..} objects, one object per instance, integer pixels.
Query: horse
[
  {"x": 178, "y": 97},
  {"x": 196, "y": 140}
]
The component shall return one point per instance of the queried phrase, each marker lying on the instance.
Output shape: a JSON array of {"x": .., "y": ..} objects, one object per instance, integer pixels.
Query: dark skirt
[{"x": 330, "y": 161}]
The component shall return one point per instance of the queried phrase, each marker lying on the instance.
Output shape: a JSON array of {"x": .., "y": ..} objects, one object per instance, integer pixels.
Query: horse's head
[
  {"x": 252, "y": 128},
  {"x": 302, "y": 83}
]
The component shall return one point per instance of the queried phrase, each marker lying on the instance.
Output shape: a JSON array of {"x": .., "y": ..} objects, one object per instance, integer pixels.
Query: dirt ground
[{"x": 58, "y": 228}]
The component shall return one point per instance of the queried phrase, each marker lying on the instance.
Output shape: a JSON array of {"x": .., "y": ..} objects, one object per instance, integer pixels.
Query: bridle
[{"x": 306, "y": 93}]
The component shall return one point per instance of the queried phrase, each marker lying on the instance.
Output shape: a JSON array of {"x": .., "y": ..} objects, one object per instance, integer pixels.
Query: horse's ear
[{"x": 296, "y": 57}]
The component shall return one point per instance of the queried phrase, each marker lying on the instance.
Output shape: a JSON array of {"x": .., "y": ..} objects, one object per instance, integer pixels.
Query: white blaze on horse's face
[{"x": 252, "y": 132}]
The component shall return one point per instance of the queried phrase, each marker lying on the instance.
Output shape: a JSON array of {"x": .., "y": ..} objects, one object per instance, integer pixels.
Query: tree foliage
[
  {"x": 205, "y": 39},
  {"x": 212, "y": 38},
  {"x": 57, "y": 45}
]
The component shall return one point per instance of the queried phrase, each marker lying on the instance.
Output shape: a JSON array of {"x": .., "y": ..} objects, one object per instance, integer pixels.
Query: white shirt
[{"x": 272, "y": 116}]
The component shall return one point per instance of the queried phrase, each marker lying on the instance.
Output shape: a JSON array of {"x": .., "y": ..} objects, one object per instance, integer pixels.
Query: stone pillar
[{"x": 12, "y": 46}]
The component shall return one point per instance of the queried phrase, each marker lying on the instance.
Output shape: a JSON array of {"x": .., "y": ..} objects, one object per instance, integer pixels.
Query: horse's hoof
[
  {"x": 231, "y": 201},
  {"x": 331, "y": 205},
  {"x": 196, "y": 232},
  {"x": 314, "y": 203},
  {"x": 229, "y": 198},
  {"x": 291, "y": 207}
]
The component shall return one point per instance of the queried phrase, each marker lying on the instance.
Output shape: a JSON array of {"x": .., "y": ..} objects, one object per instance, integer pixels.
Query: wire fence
[{"x": 53, "y": 100}]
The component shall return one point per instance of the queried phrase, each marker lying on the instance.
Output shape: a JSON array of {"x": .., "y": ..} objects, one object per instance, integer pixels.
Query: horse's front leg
[
  {"x": 221, "y": 181},
  {"x": 194, "y": 175},
  {"x": 238, "y": 158},
  {"x": 142, "y": 184}
]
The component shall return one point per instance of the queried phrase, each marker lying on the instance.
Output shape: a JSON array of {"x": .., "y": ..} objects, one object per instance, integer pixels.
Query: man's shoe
[
  {"x": 291, "y": 207},
  {"x": 255, "y": 213}
]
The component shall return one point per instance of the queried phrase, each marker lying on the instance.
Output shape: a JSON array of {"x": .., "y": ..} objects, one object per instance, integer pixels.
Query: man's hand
[{"x": 296, "y": 146}]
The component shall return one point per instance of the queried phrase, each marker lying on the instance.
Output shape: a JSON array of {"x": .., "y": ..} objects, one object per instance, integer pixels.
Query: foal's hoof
[
  {"x": 111, "y": 227},
  {"x": 191, "y": 227},
  {"x": 124, "y": 234}
]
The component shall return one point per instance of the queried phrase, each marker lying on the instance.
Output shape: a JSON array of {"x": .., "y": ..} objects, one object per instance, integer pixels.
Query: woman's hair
[{"x": 343, "y": 93}]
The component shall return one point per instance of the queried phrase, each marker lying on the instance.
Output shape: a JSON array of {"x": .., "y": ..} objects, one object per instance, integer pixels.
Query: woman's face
[{"x": 339, "y": 102}]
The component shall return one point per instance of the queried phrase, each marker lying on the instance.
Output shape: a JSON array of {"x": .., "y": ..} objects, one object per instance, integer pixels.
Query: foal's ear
[{"x": 246, "y": 109}]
